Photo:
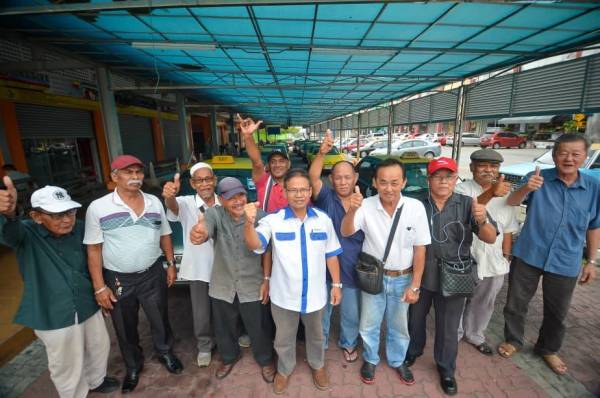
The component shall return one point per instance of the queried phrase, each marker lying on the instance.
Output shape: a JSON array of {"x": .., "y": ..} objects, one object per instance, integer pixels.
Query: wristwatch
[
  {"x": 172, "y": 263},
  {"x": 593, "y": 262},
  {"x": 336, "y": 285},
  {"x": 415, "y": 289}
]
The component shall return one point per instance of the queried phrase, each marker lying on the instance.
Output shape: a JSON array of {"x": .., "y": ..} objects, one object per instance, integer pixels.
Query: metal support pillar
[
  {"x": 390, "y": 128},
  {"x": 186, "y": 147},
  {"x": 460, "y": 113},
  {"x": 232, "y": 134},
  {"x": 215, "y": 141},
  {"x": 109, "y": 113},
  {"x": 358, "y": 137}
]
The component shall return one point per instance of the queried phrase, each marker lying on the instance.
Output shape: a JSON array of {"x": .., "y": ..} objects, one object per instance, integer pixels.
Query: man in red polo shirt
[{"x": 269, "y": 180}]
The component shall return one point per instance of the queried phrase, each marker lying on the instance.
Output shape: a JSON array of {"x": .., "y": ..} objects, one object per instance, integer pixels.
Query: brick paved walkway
[{"x": 478, "y": 376}]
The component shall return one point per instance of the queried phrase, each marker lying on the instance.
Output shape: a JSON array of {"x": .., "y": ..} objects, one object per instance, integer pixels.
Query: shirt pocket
[
  {"x": 318, "y": 236},
  {"x": 409, "y": 235},
  {"x": 285, "y": 236}
]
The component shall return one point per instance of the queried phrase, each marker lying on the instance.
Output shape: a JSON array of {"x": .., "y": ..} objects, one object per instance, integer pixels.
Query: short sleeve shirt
[
  {"x": 277, "y": 199},
  {"x": 300, "y": 250},
  {"x": 376, "y": 223},
  {"x": 236, "y": 270},
  {"x": 330, "y": 202},
  {"x": 558, "y": 217},
  {"x": 197, "y": 260},
  {"x": 130, "y": 243},
  {"x": 490, "y": 258}
]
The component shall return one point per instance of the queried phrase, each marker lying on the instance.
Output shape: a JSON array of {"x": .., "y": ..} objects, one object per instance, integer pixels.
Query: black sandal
[{"x": 484, "y": 348}]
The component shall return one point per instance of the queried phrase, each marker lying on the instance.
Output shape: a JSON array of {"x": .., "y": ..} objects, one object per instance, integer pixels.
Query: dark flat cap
[{"x": 486, "y": 155}]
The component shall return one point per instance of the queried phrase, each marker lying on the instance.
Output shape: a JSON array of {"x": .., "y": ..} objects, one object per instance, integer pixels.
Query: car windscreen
[{"x": 244, "y": 175}]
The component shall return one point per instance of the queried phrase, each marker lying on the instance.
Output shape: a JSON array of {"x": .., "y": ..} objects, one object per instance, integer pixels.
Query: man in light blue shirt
[{"x": 563, "y": 212}]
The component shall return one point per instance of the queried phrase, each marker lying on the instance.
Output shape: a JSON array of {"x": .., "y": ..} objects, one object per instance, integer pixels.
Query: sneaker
[
  {"x": 203, "y": 359},
  {"x": 244, "y": 341}
]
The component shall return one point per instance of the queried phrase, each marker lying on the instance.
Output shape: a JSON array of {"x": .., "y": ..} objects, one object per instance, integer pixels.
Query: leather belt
[{"x": 393, "y": 273}]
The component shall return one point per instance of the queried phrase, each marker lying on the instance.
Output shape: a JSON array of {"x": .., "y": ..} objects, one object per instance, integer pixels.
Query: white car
[
  {"x": 423, "y": 148},
  {"x": 467, "y": 139}
]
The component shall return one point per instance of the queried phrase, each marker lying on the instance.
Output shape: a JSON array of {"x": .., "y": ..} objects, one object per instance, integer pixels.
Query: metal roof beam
[{"x": 46, "y": 66}]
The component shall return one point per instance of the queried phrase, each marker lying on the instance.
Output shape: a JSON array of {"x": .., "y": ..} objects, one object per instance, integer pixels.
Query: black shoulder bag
[{"x": 369, "y": 269}]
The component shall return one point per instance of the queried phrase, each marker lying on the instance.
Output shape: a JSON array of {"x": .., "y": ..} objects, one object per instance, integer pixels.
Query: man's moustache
[{"x": 134, "y": 182}]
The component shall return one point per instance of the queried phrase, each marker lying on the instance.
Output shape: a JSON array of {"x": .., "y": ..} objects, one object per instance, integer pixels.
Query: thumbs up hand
[
  {"x": 536, "y": 181},
  {"x": 478, "y": 211},
  {"x": 327, "y": 143},
  {"x": 501, "y": 187},
  {"x": 8, "y": 198},
  {"x": 356, "y": 199},
  {"x": 199, "y": 233},
  {"x": 250, "y": 210},
  {"x": 171, "y": 188}
]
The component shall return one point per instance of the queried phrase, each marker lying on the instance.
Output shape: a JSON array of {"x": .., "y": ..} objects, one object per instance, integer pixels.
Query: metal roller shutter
[
  {"x": 489, "y": 99},
  {"x": 384, "y": 114},
  {"x": 591, "y": 102},
  {"x": 420, "y": 109},
  {"x": 337, "y": 124},
  {"x": 172, "y": 139},
  {"x": 443, "y": 106},
  {"x": 364, "y": 120},
  {"x": 401, "y": 113},
  {"x": 551, "y": 89},
  {"x": 39, "y": 121},
  {"x": 355, "y": 121},
  {"x": 136, "y": 137},
  {"x": 373, "y": 118}
]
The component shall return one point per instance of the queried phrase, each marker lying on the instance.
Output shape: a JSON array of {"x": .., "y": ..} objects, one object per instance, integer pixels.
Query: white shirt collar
[
  {"x": 380, "y": 205},
  {"x": 116, "y": 198},
  {"x": 201, "y": 203}
]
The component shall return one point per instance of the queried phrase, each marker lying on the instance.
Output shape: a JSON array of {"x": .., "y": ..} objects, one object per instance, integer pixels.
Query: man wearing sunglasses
[
  {"x": 58, "y": 301},
  {"x": 197, "y": 261}
]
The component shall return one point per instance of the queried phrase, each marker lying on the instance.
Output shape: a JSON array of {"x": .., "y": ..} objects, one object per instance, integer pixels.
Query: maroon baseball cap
[
  {"x": 441, "y": 163},
  {"x": 123, "y": 161}
]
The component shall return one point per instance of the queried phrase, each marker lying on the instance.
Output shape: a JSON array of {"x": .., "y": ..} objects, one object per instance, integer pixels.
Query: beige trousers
[{"x": 77, "y": 356}]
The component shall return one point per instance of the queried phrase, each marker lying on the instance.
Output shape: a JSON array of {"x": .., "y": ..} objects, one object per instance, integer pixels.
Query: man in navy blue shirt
[
  {"x": 335, "y": 201},
  {"x": 563, "y": 211}
]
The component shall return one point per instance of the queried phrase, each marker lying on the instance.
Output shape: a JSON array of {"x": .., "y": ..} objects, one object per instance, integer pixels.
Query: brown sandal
[
  {"x": 506, "y": 350},
  {"x": 350, "y": 355},
  {"x": 556, "y": 364}
]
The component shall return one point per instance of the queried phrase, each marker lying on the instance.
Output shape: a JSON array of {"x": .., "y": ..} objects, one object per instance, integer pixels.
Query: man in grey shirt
[{"x": 238, "y": 285}]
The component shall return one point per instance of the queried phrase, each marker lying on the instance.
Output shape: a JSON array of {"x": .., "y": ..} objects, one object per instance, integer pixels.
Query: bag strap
[
  {"x": 388, "y": 246},
  {"x": 267, "y": 193}
]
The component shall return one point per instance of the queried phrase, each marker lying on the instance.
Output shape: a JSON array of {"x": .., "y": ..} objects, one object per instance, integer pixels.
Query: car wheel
[
  {"x": 522, "y": 145},
  {"x": 363, "y": 154},
  {"x": 496, "y": 146},
  {"x": 429, "y": 155}
]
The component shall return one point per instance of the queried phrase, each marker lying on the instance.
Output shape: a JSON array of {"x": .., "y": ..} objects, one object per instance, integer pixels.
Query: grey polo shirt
[
  {"x": 452, "y": 231},
  {"x": 236, "y": 270}
]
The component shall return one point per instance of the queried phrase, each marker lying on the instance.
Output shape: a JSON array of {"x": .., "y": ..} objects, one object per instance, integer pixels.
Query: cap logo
[{"x": 58, "y": 195}]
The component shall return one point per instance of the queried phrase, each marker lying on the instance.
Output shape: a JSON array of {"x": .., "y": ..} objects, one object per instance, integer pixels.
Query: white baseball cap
[
  {"x": 53, "y": 200},
  {"x": 198, "y": 166}
]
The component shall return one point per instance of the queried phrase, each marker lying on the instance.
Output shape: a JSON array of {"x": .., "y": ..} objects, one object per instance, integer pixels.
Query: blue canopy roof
[{"x": 298, "y": 61}]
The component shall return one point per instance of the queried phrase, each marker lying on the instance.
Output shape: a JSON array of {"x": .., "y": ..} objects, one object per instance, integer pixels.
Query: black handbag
[
  {"x": 369, "y": 269},
  {"x": 457, "y": 278}
]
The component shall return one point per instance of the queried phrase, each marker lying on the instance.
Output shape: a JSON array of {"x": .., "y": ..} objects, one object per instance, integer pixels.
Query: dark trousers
[
  {"x": 227, "y": 332},
  {"x": 201, "y": 315},
  {"x": 557, "y": 292},
  {"x": 448, "y": 311},
  {"x": 148, "y": 289}
]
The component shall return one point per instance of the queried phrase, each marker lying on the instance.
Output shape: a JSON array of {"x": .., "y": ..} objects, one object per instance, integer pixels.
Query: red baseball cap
[
  {"x": 123, "y": 161},
  {"x": 441, "y": 163}
]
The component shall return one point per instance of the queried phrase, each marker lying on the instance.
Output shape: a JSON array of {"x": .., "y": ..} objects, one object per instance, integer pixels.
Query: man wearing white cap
[
  {"x": 197, "y": 261},
  {"x": 58, "y": 301}
]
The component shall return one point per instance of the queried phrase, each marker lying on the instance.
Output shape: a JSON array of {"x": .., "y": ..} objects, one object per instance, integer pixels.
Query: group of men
[{"x": 297, "y": 248}]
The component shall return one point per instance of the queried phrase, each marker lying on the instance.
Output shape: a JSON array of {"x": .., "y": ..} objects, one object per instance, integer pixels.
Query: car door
[
  {"x": 366, "y": 169},
  {"x": 403, "y": 147}
]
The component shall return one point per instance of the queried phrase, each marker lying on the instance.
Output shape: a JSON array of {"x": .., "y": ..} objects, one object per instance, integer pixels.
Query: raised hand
[
  {"x": 356, "y": 199},
  {"x": 501, "y": 188},
  {"x": 8, "y": 198},
  {"x": 250, "y": 210},
  {"x": 536, "y": 181},
  {"x": 478, "y": 211},
  {"x": 247, "y": 126},
  {"x": 199, "y": 233},
  {"x": 171, "y": 188},
  {"x": 327, "y": 143}
]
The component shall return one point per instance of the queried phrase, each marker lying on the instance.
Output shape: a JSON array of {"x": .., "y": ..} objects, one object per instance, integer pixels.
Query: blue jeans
[
  {"x": 389, "y": 303},
  {"x": 349, "y": 317}
]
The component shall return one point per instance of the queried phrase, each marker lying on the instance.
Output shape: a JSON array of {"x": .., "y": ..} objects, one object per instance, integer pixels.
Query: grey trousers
[
  {"x": 479, "y": 308},
  {"x": 286, "y": 327},
  {"x": 201, "y": 315}
]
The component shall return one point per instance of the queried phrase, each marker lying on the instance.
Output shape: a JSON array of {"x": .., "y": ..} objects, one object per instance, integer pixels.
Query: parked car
[
  {"x": 421, "y": 147},
  {"x": 370, "y": 147},
  {"x": 467, "y": 139},
  {"x": 503, "y": 140},
  {"x": 331, "y": 158}
]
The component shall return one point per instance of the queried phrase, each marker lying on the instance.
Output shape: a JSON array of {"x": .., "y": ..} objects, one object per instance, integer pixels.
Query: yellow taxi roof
[{"x": 229, "y": 162}]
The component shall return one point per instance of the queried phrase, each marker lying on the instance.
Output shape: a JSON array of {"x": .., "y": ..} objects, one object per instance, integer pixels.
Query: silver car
[
  {"x": 467, "y": 139},
  {"x": 421, "y": 147}
]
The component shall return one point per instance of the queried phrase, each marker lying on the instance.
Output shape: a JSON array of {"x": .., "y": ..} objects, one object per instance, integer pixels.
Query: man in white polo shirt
[
  {"x": 197, "y": 261},
  {"x": 125, "y": 231},
  {"x": 402, "y": 270},
  {"x": 303, "y": 243}
]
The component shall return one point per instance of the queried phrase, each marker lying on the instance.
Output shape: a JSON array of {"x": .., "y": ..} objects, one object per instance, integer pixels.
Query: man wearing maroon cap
[
  {"x": 126, "y": 232},
  {"x": 453, "y": 219}
]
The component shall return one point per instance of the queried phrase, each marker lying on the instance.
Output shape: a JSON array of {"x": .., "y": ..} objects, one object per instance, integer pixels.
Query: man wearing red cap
[
  {"x": 453, "y": 219},
  {"x": 125, "y": 231}
]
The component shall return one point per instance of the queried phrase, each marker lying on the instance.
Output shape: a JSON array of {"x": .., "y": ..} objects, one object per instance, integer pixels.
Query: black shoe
[
  {"x": 448, "y": 384},
  {"x": 367, "y": 373},
  {"x": 409, "y": 360},
  {"x": 109, "y": 384},
  {"x": 131, "y": 379},
  {"x": 406, "y": 376},
  {"x": 172, "y": 364}
]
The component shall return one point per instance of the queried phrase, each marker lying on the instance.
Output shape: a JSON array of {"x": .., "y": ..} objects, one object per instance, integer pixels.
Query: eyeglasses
[
  {"x": 60, "y": 216},
  {"x": 206, "y": 180},
  {"x": 298, "y": 191},
  {"x": 448, "y": 178}
]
